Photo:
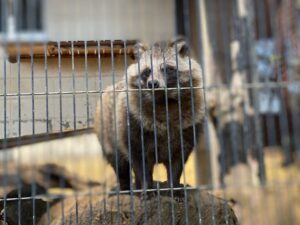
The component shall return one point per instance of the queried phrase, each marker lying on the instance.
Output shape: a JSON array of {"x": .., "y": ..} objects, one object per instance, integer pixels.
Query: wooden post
[{"x": 227, "y": 65}]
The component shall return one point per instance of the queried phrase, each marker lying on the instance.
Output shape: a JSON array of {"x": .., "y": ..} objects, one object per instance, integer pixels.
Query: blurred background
[{"x": 58, "y": 56}]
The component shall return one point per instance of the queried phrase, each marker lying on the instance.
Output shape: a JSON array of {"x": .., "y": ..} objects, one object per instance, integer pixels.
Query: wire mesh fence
[{"x": 106, "y": 118}]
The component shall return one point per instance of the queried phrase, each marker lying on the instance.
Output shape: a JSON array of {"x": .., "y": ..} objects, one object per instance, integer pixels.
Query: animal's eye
[
  {"x": 146, "y": 73},
  {"x": 169, "y": 70}
]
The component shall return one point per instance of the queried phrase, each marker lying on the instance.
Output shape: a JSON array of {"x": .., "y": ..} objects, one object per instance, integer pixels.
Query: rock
[{"x": 139, "y": 210}]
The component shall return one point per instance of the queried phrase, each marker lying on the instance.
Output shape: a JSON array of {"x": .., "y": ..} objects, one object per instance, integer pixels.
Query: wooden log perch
[
  {"x": 125, "y": 210},
  {"x": 65, "y": 49},
  {"x": 13, "y": 142}
]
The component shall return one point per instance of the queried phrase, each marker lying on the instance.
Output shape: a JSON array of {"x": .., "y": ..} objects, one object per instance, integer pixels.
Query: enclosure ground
[{"x": 253, "y": 204}]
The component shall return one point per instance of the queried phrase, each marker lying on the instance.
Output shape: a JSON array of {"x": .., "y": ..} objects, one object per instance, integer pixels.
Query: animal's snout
[{"x": 153, "y": 83}]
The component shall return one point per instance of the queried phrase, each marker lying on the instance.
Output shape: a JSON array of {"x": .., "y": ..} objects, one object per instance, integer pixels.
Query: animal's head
[{"x": 163, "y": 65}]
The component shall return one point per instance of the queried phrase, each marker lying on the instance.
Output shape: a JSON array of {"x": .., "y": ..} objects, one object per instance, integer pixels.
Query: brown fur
[{"x": 120, "y": 116}]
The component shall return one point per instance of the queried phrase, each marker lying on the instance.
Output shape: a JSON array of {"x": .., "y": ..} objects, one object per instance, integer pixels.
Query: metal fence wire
[{"x": 149, "y": 112}]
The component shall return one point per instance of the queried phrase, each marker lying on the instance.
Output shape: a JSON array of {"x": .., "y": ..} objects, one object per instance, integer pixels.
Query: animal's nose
[{"x": 154, "y": 84}]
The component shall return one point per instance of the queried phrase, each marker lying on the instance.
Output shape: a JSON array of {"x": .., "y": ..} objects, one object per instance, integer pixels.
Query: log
[{"x": 126, "y": 209}]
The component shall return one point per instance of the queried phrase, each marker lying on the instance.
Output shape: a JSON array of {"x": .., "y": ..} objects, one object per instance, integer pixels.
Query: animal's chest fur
[{"x": 170, "y": 142}]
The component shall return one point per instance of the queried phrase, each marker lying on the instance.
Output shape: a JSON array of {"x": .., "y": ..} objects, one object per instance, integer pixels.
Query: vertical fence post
[{"x": 228, "y": 63}]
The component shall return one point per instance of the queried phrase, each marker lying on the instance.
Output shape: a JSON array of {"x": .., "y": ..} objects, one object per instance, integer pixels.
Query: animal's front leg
[
  {"x": 122, "y": 170},
  {"x": 143, "y": 175},
  {"x": 174, "y": 172}
]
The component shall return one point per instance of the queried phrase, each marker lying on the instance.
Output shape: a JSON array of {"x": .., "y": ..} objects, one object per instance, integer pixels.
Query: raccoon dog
[{"x": 153, "y": 114}]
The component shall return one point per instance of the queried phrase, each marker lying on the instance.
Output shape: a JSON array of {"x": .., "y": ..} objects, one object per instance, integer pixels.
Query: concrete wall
[
  {"x": 77, "y": 108},
  {"x": 114, "y": 19}
]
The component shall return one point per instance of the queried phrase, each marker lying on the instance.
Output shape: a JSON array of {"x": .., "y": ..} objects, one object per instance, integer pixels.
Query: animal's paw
[
  {"x": 118, "y": 191},
  {"x": 177, "y": 191},
  {"x": 147, "y": 195}
]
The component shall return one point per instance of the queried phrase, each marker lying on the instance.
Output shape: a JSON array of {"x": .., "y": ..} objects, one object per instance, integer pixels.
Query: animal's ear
[
  {"x": 180, "y": 46},
  {"x": 139, "y": 49}
]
